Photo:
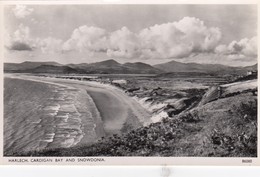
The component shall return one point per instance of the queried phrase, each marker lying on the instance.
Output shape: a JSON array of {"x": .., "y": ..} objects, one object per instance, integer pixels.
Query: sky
[{"x": 215, "y": 34}]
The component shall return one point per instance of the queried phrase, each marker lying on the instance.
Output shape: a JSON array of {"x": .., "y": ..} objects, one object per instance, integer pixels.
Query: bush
[{"x": 247, "y": 111}]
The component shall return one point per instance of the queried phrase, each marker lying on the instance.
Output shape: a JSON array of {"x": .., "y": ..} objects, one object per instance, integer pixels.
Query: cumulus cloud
[
  {"x": 20, "y": 46},
  {"x": 85, "y": 38},
  {"x": 181, "y": 39},
  {"x": 178, "y": 39},
  {"x": 221, "y": 49},
  {"x": 237, "y": 49},
  {"x": 50, "y": 45},
  {"x": 123, "y": 43},
  {"x": 169, "y": 40},
  {"x": 20, "y": 40},
  {"x": 22, "y": 34},
  {"x": 21, "y": 11}
]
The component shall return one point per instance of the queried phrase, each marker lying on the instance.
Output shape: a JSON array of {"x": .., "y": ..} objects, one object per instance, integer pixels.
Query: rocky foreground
[{"x": 220, "y": 122}]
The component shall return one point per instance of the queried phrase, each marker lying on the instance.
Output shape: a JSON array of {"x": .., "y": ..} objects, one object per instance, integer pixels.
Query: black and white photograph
[{"x": 130, "y": 80}]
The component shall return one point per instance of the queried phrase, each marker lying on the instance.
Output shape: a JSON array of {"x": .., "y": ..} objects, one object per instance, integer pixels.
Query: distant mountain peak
[
  {"x": 41, "y": 62},
  {"x": 110, "y": 61},
  {"x": 137, "y": 63},
  {"x": 175, "y": 66}
]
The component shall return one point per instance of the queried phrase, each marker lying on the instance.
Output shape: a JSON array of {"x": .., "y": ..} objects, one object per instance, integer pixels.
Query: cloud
[
  {"x": 50, "y": 45},
  {"x": 238, "y": 49},
  {"x": 85, "y": 38},
  {"x": 22, "y": 34},
  {"x": 179, "y": 39},
  {"x": 19, "y": 46},
  {"x": 21, "y": 11},
  {"x": 20, "y": 40},
  {"x": 34, "y": 21},
  {"x": 236, "y": 57},
  {"x": 123, "y": 43},
  {"x": 222, "y": 49},
  {"x": 169, "y": 40},
  {"x": 187, "y": 37}
]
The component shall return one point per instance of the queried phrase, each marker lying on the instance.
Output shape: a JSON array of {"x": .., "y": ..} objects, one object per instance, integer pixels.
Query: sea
[{"x": 41, "y": 116}]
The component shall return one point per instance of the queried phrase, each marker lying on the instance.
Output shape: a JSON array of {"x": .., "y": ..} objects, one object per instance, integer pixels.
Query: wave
[
  {"x": 96, "y": 115},
  {"x": 47, "y": 115}
]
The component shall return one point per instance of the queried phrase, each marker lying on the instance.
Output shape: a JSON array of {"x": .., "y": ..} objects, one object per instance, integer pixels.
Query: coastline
[{"x": 114, "y": 113}]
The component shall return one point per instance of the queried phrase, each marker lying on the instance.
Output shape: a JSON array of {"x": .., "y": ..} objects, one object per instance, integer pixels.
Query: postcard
[{"x": 129, "y": 83}]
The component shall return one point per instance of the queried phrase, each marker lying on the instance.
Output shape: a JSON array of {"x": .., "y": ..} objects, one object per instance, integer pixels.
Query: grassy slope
[{"x": 224, "y": 127}]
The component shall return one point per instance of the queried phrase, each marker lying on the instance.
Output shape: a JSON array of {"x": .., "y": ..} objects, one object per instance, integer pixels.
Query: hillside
[
  {"x": 175, "y": 67},
  {"x": 104, "y": 67},
  {"x": 52, "y": 69},
  {"x": 113, "y": 67},
  {"x": 141, "y": 67},
  {"x": 253, "y": 67},
  {"x": 26, "y": 65}
]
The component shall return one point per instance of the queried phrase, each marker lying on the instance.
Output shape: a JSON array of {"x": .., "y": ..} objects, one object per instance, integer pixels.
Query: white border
[{"x": 128, "y": 160}]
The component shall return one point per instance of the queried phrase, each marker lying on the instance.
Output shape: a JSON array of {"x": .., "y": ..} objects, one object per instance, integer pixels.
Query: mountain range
[
  {"x": 113, "y": 67},
  {"x": 177, "y": 67}
]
